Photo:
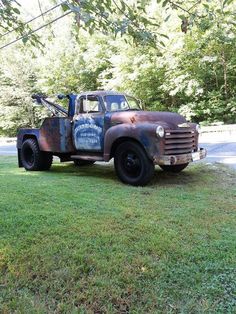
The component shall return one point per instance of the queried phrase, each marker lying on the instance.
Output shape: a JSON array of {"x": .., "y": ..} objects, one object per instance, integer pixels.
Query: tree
[
  {"x": 11, "y": 21},
  {"x": 193, "y": 72},
  {"x": 206, "y": 65},
  {"x": 133, "y": 18}
]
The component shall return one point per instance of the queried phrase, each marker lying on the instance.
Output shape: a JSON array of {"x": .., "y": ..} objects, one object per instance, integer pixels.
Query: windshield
[{"x": 120, "y": 103}]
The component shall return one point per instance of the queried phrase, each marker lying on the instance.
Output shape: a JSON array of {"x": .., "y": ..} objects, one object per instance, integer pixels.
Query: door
[{"x": 88, "y": 124}]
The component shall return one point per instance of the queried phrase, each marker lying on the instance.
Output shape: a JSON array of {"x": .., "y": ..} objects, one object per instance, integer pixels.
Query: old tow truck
[{"x": 101, "y": 125}]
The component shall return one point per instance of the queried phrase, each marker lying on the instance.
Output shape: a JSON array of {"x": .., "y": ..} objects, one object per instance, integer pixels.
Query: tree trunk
[
  {"x": 216, "y": 78},
  {"x": 223, "y": 61}
]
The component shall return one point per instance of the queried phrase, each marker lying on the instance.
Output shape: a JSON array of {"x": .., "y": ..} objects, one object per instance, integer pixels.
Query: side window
[{"x": 90, "y": 104}]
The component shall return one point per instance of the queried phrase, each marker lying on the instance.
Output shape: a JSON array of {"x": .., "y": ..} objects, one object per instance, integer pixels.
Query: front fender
[{"x": 144, "y": 133}]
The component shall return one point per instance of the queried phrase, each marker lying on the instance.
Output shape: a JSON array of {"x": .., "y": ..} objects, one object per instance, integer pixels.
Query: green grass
[{"x": 79, "y": 241}]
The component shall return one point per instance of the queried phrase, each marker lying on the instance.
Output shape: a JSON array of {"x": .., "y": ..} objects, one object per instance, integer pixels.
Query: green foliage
[
  {"x": 108, "y": 16},
  {"x": 9, "y": 13},
  {"x": 18, "y": 81},
  {"x": 118, "y": 17},
  {"x": 209, "y": 59},
  {"x": 193, "y": 73},
  {"x": 211, "y": 108},
  {"x": 12, "y": 22},
  {"x": 137, "y": 71}
]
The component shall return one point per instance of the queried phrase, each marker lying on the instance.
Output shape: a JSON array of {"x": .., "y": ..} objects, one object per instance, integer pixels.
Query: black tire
[
  {"x": 32, "y": 158},
  {"x": 132, "y": 164},
  {"x": 174, "y": 168},
  {"x": 81, "y": 162}
]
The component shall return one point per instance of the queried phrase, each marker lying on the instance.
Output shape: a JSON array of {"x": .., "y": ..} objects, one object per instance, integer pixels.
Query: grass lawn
[{"x": 79, "y": 241}]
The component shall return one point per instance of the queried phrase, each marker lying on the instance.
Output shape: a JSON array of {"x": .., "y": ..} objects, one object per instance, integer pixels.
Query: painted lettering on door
[{"x": 88, "y": 135}]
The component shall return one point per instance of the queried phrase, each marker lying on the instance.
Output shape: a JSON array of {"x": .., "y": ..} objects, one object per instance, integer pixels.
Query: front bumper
[{"x": 180, "y": 159}]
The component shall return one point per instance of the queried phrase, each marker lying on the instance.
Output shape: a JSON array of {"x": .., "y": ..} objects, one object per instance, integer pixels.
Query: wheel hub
[{"x": 132, "y": 164}]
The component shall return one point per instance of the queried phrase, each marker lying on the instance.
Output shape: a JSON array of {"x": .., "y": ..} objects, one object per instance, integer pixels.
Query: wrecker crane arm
[{"x": 56, "y": 109}]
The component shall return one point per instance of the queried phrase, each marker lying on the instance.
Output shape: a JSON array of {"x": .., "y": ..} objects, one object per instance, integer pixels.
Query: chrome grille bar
[{"x": 180, "y": 141}]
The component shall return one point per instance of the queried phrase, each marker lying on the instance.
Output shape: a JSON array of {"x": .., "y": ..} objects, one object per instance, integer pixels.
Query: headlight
[
  {"x": 160, "y": 131},
  {"x": 198, "y": 128}
]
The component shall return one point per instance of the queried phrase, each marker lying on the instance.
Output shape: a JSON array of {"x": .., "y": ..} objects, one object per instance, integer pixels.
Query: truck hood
[{"x": 166, "y": 119}]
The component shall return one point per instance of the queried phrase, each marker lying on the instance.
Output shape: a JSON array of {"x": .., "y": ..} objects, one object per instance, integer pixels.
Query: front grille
[{"x": 181, "y": 141}]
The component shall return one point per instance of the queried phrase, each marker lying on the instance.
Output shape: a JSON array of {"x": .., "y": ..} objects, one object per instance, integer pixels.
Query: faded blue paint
[
  {"x": 88, "y": 132},
  {"x": 71, "y": 107},
  {"x": 107, "y": 120},
  {"x": 144, "y": 139}
]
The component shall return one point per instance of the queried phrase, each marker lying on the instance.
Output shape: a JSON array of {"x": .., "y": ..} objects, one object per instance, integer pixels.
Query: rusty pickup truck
[{"x": 101, "y": 125}]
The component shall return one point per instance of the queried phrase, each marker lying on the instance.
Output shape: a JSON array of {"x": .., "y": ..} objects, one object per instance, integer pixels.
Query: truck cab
[{"x": 101, "y": 125}]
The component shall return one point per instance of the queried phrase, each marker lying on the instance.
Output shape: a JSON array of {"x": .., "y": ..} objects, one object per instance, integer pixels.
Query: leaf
[
  {"x": 182, "y": 17},
  {"x": 17, "y": 11},
  {"x": 65, "y": 7},
  {"x": 206, "y": 6},
  {"x": 164, "y": 2},
  {"x": 227, "y": 2},
  {"x": 74, "y": 8},
  {"x": 164, "y": 35},
  {"x": 122, "y": 5},
  {"x": 25, "y": 39},
  {"x": 167, "y": 18}
]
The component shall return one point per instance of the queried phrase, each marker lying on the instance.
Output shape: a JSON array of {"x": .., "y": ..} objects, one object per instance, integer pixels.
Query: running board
[{"x": 88, "y": 157}]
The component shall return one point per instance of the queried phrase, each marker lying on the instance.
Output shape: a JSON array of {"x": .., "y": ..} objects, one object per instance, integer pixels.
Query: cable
[
  {"x": 34, "y": 18},
  {"x": 40, "y": 8},
  {"x": 35, "y": 30}
]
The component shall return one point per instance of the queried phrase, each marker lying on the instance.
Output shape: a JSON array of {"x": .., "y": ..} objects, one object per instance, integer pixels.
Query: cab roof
[{"x": 101, "y": 93}]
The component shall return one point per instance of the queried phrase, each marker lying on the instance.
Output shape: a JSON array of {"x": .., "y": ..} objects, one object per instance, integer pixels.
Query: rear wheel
[
  {"x": 33, "y": 158},
  {"x": 132, "y": 164},
  {"x": 81, "y": 162},
  {"x": 174, "y": 168}
]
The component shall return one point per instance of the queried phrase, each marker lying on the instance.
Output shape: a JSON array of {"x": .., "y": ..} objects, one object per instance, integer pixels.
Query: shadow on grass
[
  {"x": 107, "y": 171},
  {"x": 96, "y": 170},
  {"x": 193, "y": 174}
]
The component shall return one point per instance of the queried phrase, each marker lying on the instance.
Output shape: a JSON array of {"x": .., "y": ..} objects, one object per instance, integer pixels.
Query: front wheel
[
  {"x": 174, "y": 168},
  {"x": 132, "y": 164},
  {"x": 33, "y": 158}
]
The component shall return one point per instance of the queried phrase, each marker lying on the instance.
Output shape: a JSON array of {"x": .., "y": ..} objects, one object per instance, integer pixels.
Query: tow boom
[{"x": 56, "y": 109}]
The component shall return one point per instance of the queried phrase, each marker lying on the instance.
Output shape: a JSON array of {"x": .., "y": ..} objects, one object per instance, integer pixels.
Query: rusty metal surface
[
  {"x": 180, "y": 159},
  {"x": 141, "y": 126},
  {"x": 24, "y": 134},
  {"x": 144, "y": 133},
  {"x": 55, "y": 135},
  {"x": 166, "y": 119},
  {"x": 180, "y": 141}
]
